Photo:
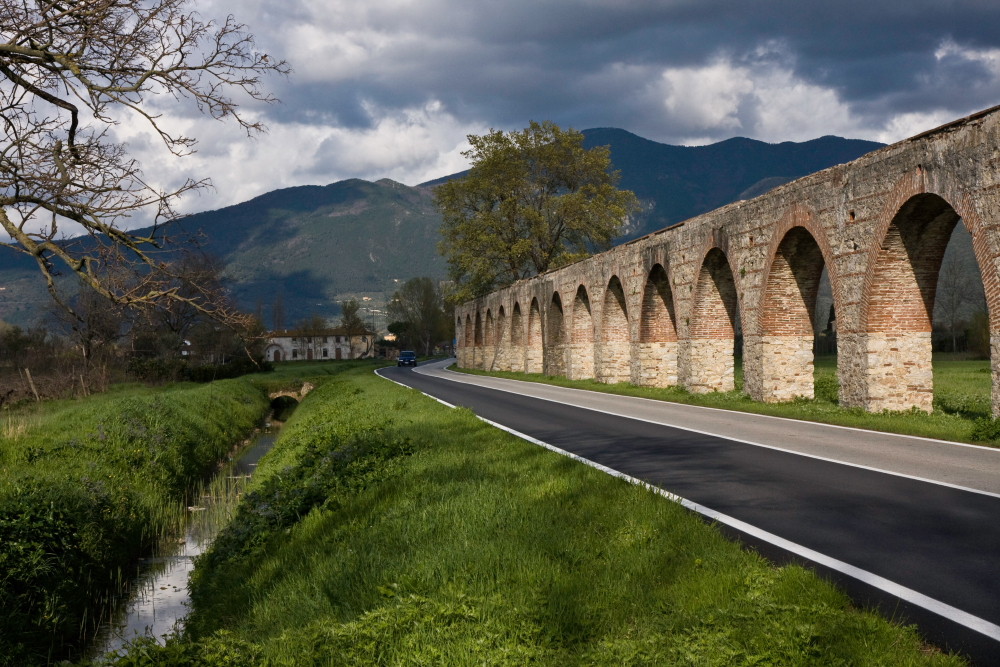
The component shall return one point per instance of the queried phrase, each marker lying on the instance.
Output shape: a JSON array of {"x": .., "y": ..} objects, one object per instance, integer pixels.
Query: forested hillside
[{"x": 298, "y": 251}]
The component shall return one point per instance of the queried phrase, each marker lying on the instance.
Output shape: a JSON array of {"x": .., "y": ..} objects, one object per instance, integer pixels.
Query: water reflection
[{"x": 157, "y": 600}]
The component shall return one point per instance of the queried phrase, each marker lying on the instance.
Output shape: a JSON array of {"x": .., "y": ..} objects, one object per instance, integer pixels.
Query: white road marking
[
  {"x": 461, "y": 380},
  {"x": 916, "y": 598}
]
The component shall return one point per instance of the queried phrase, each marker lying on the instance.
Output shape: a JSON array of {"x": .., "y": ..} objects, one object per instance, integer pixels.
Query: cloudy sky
[{"x": 391, "y": 88}]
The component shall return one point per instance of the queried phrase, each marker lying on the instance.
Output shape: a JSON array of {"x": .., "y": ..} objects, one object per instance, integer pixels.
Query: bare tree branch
[{"x": 69, "y": 71}]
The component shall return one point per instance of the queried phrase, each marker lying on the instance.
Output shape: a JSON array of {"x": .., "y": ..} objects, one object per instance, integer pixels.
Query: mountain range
[{"x": 309, "y": 247}]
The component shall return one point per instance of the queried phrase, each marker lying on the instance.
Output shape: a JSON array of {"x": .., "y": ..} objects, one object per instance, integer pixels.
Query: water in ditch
[{"x": 156, "y": 602}]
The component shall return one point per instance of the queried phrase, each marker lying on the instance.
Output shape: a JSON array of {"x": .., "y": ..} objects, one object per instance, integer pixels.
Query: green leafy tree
[
  {"x": 419, "y": 305},
  {"x": 353, "y": 325},
  {"x": 533, "y": 200}
]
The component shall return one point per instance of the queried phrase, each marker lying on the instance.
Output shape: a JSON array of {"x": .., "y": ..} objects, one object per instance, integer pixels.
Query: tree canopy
[
  {"x": 418, "y": 314},
  {"x": 533, "y": 200},
  {"x": 70, "y": 71}
]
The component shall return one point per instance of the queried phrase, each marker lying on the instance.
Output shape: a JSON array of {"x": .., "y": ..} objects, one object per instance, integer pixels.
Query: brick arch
[
  {"x": 516, "y": 325},
  {"x": 477, "y": 339},
  {"x": 555, "y": 337},
  {"x": 785, "y": 359},
  {"x": 468, "y": 332},
  {"x": 714, "y": 313},
  {"x": 489, "y": 332},
  {"x": 534, "y": 352},
  {"x": 657, "y": 346},
  {"x": 798, "y": 216},
  {"x": 581, "y": 349},
  {"x": 898, "y": 302},
  {"x": 657, "y": 320},
  {"x": 716, "y": 306},
  {"x": 913, "y": 188},
  {"x": 515, "y": 339},
  {"x": 616, "y": 349},
  {"x": 501, "y": 339},
  {"x": 902, "y": 282},
  {"x": 986, "y": 254}
]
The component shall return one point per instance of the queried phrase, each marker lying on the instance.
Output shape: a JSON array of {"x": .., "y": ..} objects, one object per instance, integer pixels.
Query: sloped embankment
[
  {"x": 385, "y": 528},
  {"x": 88, "y": 486}
]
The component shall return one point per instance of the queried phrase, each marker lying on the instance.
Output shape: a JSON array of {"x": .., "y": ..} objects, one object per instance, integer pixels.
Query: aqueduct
[{"x": 665, "y": 309}]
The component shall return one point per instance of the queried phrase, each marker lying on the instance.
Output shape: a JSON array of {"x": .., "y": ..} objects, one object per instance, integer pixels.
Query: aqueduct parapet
[{"x": 667, "y": 308}]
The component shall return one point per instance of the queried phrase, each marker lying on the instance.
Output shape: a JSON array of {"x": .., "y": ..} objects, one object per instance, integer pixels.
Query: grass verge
[
  {"x": 962, "y": 410},
  {"x": 86, "y": 486},
  {"x": 385, "y": 528}
]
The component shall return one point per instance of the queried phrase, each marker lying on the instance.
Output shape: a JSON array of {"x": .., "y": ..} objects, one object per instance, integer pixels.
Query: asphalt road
[{"x": 910, "y": 527}]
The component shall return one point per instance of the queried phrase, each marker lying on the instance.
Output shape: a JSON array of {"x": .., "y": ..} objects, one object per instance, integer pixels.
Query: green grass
[
  {"x": 87, "y": 486},
  {"x": 385, "y": 528},
  {"x": 961, "y": 401}
]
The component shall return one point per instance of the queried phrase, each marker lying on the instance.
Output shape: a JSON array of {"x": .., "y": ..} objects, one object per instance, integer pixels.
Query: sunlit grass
[
  {"x": 440, "y": 540},
  {"x": 961, "y": 401},
  {"x": 87, "y": 486}
]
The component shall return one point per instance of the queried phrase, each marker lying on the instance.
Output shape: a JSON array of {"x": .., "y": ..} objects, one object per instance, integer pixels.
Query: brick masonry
[{"x": 667, "y": 308}]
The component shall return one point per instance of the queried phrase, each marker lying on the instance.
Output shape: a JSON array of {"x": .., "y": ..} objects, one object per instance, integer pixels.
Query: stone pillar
[
  {"x": 554, "y": 360},
  {"x": 580, "y": 361},
  {"x": 657, "y": 364},
  {"x": 515, "y": 358},
  {"x": 488, "y": 358},
  {"x": 615, "y": 358},
  {"x": 898, "y": 373},
  {"x": 709, "y": 365},
  {"x": 534, "y": 360},
  {"x": 786, "y": 368}
]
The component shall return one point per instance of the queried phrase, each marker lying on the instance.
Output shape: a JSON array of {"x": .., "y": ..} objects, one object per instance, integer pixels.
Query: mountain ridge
[{"x": 307, "y": 247}]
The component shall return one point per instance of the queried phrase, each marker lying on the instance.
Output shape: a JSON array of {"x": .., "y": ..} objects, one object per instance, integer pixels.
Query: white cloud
[
  {"x": 706, "y": 97},
  {"x": 905, "y": 125},
  {"x": 408, "y": 145},
  {"x": 989, "y": 58}
]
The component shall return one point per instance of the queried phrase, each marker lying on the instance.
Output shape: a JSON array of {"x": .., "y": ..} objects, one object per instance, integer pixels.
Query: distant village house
[{"x": 319, "y": 345}]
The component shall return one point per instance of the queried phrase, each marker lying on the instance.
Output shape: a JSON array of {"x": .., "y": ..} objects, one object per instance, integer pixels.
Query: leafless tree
[
  {"x": 955, "y": 296},
  {"x": 70, "y": 71}
]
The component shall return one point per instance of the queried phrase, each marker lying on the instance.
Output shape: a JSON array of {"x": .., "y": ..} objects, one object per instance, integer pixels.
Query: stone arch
[
  {"x": 534, "y": 353},
  {"x": 517, "y": 339},
  {"x": 502, "y": 341},
  {"x": 555, "y": 337},
  {"x": 465, "y": 342},
  {"x": 477, "y": 339},
  {"x": 898, "y": 304},
  {"x": 516, "y": 325},
  {"x": 714, "y": 322},
  {"x": 616, "y": 344},
  {"x": 489, "y": 331},
  {"x": 580, "y": 356},
  {"x": 657, "y": 349},
  {"x": 787, "y": 319},
  {"x": 476, "y": 358}
]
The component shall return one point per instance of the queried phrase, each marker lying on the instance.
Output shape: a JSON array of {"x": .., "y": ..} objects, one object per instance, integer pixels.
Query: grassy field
[
  {"x": 961, "y": 401},
  {"x": 86, "y": 486},
  {"x": 385, "y": 528}
]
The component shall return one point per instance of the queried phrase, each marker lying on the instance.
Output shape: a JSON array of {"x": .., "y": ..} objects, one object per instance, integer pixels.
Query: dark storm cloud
[
  {"x": 591, "y": 63},
  {"x": 390, "y": 88}
]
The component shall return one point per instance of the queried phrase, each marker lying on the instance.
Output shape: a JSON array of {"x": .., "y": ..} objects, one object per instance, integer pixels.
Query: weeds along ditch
[
  {"x": 385, "y": 528},
  {"x": 86, "y": 487}
]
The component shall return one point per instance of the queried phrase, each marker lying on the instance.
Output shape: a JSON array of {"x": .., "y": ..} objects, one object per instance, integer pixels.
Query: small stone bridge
[
  {"x": 289, "y": 393},
  {"x": 665, "y": 309}
]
